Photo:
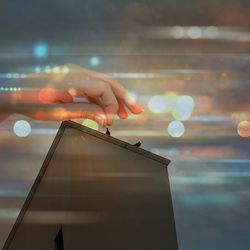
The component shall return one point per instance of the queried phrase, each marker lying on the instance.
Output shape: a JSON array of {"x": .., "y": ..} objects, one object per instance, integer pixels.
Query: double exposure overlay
[{"x": 187, "y": 64}]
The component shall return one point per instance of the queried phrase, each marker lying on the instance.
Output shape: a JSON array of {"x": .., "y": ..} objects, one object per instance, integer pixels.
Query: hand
[{"x": 55, "y": 99}]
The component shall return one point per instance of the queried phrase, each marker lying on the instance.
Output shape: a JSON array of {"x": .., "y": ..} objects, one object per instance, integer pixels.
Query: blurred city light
[
  {"x": 211, "y": 32},
  {"x": 8, "y": 76},
  {"x": 194, "y": 32},
  {"x": 177, "y": 32},
  {"x": 135, "y": 75},
  {"x": 209, "y": 199},
  {"x": 176, "y": 128},
  {"x": 47, "y": 69},
  {"x": 65, "y": 70},
  {"x": 94, "y": 61},
  {"x": 37, "y": 69},
  {"x": 10, "y": 89},
  {"x": 23, "y": 75},
  {"x": 223, "y": 33},
  {"x": 187, "y": 63},
  {"x": 183, "y": 108},
  {"x": 40, "y": 50},
  {"x": 56, "y": 69},
  {"x": 171, "y": 99},
  {"x": 22, "y": 128},
  {"x": 15, "y": 75},
  {"x": 157, "y": 104},
  {"x": 244, "y": 129}
]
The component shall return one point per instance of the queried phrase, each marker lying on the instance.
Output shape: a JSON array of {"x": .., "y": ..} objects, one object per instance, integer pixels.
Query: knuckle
[{"x": 102, "y": 85}]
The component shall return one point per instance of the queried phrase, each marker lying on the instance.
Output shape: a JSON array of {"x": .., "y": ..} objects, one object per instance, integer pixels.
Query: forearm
[{"x": 24, "y": 100}]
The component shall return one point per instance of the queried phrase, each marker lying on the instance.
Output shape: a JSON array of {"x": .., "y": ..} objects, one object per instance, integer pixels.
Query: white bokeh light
[
  {"x": 157, "y": 104},
  {"x": 65, "y": 70},
  {"x": 176, "y": 129},
  {"x": 212, "y": 32},
  {"x": 194, "y": 32},
  {"x": 183, "y": 108},
  {"x": 170, "y": 99},
  {"x": 22, "y": 128},
  {"x": 177, "y": 32},
  {"x": 56, "y": 69}
]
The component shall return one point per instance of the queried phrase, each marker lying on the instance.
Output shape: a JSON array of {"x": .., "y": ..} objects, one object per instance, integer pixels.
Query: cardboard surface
[{"x": 104, "y": 193}]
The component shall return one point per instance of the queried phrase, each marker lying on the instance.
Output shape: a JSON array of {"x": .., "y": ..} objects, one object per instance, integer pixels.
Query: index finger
[{"x": 122, "y": 94}]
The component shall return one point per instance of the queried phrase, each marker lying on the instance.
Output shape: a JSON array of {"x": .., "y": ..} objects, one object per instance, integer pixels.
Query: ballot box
[{"x": 96, "y": 192}]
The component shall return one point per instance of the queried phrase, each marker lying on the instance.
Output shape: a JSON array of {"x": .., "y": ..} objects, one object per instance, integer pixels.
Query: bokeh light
[
  {"x": 194, "y": 32},
  {"x": 244, "y": 129},
  {"x": 171, "y": 99},
  {"x": 176, "y": 128},
  {"x": 22, "y": 128},
  {"x": 8, "y": 76},
  {"x": 212, "y": 32},
  {"x": 157, "y": 104},
  {"x": 177, "y": 32},
  {"x": 90, "y": 124},
  {"x": 65, "y": 70},
  {"x": 40, "y": 50},
  {"x": 94, "y": 61},
  {"x": 10, "y": 89},
  {"x": 47, "y": 69},
  {"x": 183, "y": 108},
  {"x": 37, "y": 69},
  {"x": 56, "y": 69}
]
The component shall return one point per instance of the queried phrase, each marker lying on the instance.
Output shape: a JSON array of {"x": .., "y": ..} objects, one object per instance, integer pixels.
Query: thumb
[
  {"x": 51, "y": 95},
  {"x": 64, "y": 112}
]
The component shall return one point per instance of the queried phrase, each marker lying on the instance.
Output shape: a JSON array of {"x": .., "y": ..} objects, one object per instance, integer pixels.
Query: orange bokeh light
[
  {"x": 244, "y": 129},
  {"x": 47, "y": 95}
]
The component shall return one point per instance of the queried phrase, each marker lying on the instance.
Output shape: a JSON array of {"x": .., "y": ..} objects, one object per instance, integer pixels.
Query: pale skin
[{"x": 53, "y": 97}]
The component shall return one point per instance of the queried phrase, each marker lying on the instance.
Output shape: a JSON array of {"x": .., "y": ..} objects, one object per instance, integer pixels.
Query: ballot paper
[{"x": 96, "y": 192}]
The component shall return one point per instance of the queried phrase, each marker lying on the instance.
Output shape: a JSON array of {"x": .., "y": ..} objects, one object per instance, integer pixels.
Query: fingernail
[
  {"x": 124, "y": 117},
  {"x": 138, "y": 108}
]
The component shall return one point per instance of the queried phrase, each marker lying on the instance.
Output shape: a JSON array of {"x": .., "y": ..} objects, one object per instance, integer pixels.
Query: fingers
[
  {"x": 120, "y": 92},
  {"x": 110, "y": 104},
  {"x": 107, "y": 100},
  {"x": 122, "y": 112},
  {"x": 50, "y": 95},
  {"x": 126, "y": 98},
  {"x": 86, "y": 110},
  {"x": 66, "y": 112},
  {"x": 101, "y": 90}
]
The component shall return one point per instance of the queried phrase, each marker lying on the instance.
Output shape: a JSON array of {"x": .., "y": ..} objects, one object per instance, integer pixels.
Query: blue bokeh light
[
  {"x": 41, "y": 50},
  {"x": 22, "y": 128},
  {"x": 94, "y": 61},
  {"x": 38, "y": 69},
  {"x": 176, "y": 129}
]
